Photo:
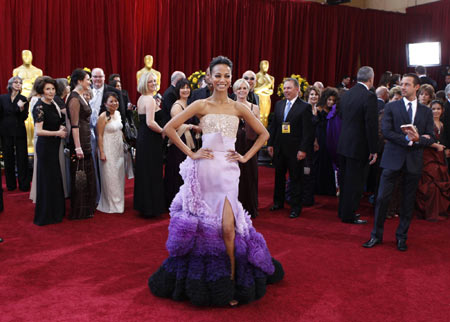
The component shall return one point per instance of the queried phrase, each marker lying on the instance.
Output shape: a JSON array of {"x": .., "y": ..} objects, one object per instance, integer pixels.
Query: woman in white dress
[{"x": 111, "y": 155}]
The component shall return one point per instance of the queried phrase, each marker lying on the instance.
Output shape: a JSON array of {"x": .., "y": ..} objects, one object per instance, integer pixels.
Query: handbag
[
  {"x": 130, "y": 132},
  {"x": 80, "y": 176}
]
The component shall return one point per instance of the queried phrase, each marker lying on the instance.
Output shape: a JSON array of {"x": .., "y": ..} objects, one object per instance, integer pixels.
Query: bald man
[
  {"x": 250, "y": 77},
  {"x": 382, "y": 97}
]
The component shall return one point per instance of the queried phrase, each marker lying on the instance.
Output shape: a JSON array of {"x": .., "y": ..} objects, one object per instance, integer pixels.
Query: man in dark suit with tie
[
  {"x": 357, "y": 146},
  {"x": 403, "y": 153},
  {"x": 291, "y": 135},
  {"x": 170, "y": 95},
  {"x": 421, "y": 71}
]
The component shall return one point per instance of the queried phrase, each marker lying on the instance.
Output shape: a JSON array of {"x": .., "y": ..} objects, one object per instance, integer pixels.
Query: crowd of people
[{"x": 391, "y": 141}]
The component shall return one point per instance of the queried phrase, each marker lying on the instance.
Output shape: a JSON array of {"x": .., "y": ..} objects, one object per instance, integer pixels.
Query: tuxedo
[
  {"x": 424, "y": 79},
  {"x": 380, "y": 104},
  {"x": 198, "y": 94},
  {"x": 14, "y": 140},
  {"x": 358, "y": 139},
  {"x": 286, "y": 146},
  {"x": 400, "y": 156},
  {"x": 169, "y": 97}
]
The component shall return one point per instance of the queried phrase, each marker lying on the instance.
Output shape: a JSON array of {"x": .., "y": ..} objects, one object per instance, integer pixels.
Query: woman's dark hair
[
  {"x": 220, "y": 60},
  {"x": 326, "y": 93},
  {"x": 103, "y": 107},
  {"x": 45, "y": 80},
  {"x": 113, "y": 83},
  {"x": 77, "y": 75},
  {"x": 61, "y": 84},
  {"x": 385, "y": 78},
  {"x": 394, "y": 80},
  {"x": 438, "y": 102},
  {"x": 180, "y": 84}
]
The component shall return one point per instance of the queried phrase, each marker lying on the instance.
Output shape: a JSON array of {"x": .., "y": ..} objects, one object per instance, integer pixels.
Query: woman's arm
[
  {"x": 101, "y": 123},
  {"x": 74, "y": 110},
  {"x": 257, "y": 126},
  {"x": 41, "y": 132},
  {"x": 170, "y": 130},
  {"x": 150, "y": 106}
]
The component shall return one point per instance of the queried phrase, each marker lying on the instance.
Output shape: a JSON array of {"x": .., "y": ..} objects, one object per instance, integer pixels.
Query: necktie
[
  {"x": 287, "y": 109},
  {"x": 410, "y": 111}
]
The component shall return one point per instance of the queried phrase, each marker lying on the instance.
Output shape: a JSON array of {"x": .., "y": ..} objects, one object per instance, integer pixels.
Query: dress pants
[
  {"x": 15, "y": 154},
  {"x": 408, "y": 187},
  {"x": 96, "y": 167},
  {"x": 351, "y": 183},
  {"x": 287, "y": 161},
  {"x": 1, "y": 192}
]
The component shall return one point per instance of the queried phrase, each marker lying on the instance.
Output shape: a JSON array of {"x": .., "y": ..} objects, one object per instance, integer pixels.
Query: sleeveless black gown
[{"x": 148, "y": 182}]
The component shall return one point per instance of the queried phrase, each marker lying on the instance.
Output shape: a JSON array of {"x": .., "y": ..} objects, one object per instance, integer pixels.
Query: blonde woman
[{"x": 148, "y": 183}]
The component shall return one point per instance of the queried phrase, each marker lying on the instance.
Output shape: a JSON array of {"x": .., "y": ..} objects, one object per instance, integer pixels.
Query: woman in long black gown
[
  {"x": 323, "y": 167},
  {"x": 148, "y": 182},
  {"x": 48, "y": 124},
  {"x": 172, "y": 177},
  {"x": 245, "y": 138}
]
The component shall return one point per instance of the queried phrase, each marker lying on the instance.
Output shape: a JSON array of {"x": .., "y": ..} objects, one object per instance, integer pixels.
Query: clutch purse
[{"x": 80, "y": 176}]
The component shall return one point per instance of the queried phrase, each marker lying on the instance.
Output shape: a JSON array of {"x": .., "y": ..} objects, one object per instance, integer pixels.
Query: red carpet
[{"x": 97, "y": 270}]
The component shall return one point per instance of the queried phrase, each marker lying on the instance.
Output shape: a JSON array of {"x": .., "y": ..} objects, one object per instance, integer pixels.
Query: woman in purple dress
[{"x": 215, "y": 255}]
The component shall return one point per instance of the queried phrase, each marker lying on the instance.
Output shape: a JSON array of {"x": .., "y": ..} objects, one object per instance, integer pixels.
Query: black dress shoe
[
  {"x": 372, "y": 242},
  {"x": 294, "y": 214},
  {"x": 401, "y": 245},
  {"x": 276, "y": 207},
  {"x": 356, "y": 222}
]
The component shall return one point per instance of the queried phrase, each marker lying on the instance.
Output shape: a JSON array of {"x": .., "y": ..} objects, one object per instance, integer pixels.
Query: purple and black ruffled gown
[{"x": 198, "y": 267}]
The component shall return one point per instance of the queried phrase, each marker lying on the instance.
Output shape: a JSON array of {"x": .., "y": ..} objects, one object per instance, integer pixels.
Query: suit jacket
[
  {"x": 397, "y": 152},
  {"x": 11, "y": 118},
  {"x": 301, "y": 128},
  {"x": 198, "y": 94},
  {"x": 359, "y": 131},
  {"x": 380, "y": 104},
  {"x": 428, "y": 80},
  {"x": 169, "y": 97},
  {"x": 122, "y": 107}
]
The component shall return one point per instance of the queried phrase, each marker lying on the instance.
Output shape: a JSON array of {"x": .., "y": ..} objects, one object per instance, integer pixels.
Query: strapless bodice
[{"x": 225, "y": 124}]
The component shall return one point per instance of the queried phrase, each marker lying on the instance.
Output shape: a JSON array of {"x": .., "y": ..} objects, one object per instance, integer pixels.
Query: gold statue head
[
  {"x": 27, "y": 57},
  {"x": 148, "y": 61},
  {"x": 264, "y": 66}
]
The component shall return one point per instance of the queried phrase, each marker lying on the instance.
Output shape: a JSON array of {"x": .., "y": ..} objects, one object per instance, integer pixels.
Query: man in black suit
[
  {"x": 250, "y": 77},
  {"x": 403, "y": 153},
  {"x": 13, "y": 113},
  {"x": 382, "y": 97},
  {"x": 344, "y": 83},
  {"x": 170, "y": 95},
  {"x": 357, "y": 146},
  {"x": 421, "y": 71},
  {"x": 202, "y": 93},
  {"x": 291, "y": 135}
]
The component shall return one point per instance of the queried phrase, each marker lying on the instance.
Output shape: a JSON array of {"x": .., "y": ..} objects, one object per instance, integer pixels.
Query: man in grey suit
[{"x": 403, "y": 153}]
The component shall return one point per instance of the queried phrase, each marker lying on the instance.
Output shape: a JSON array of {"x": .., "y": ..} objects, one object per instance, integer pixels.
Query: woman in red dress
[{"x": 433, "y": 192}]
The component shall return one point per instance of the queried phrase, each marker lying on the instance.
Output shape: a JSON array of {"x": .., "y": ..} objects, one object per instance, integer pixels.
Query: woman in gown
[
  {"x": 48, "y": 125},
  {"x": 433, "y": 191},
  {"x": 172, "y": 177},
  {"x": 82, "y": 197},
  {"x": 215, "y": 255},
  {"x": 111, "y": 155},
  {"x": 246, "y": 137},
  {"x": 323, "y": 166},
  {"x": 148, "y": 182}
]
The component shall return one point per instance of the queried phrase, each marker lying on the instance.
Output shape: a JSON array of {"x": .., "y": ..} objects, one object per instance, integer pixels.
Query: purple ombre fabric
[{"x": 333, "y": 132}]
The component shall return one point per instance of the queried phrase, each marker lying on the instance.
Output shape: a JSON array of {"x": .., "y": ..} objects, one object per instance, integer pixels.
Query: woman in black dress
[
  {"x": 148, "y": 182},
  {"x": 172, "y": 177},
  {"x": 323, "y": 167},
  {"x": 245, "y": 138},
  {"x": 48, "y": 125},
  {"x": 13, "y": 113},
  {"x": 83, "y": 193}
]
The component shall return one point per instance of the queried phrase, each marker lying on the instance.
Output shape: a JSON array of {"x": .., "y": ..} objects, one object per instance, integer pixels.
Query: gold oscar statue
[
  {"x": 264, "y": 89},
  {"x": 148, "y": 62},
  {"x": 28, "y": 73}
]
